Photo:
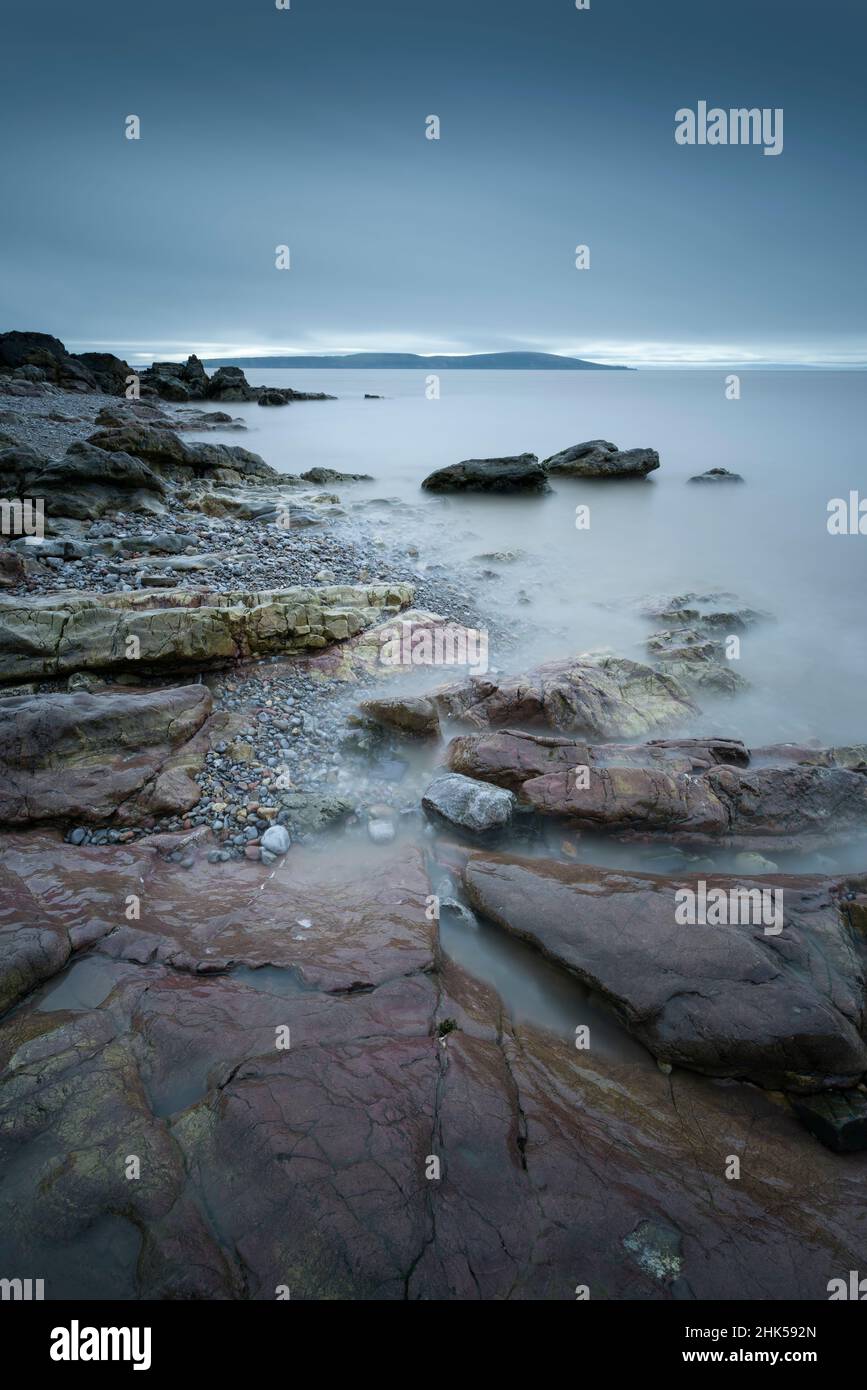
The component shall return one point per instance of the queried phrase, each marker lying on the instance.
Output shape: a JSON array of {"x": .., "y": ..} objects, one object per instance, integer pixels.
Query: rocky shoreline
[{"x": 222, "y": 815}]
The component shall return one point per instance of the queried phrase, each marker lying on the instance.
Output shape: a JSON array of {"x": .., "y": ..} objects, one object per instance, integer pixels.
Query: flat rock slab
[
  {"x": 784, "y": 1010},
  {"x": 363, "y": 929},
  {"x": 92, "y": 758},
  {"x": 181, "y": 629}
]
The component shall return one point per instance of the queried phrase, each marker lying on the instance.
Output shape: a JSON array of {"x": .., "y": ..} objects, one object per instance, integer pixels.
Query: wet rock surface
[
  {"x": 305, "y": 1166},
  {"x": 703, "y": 792},
  {"x": 783, "y": 1008},
  {"x": 225, "y": 956}
]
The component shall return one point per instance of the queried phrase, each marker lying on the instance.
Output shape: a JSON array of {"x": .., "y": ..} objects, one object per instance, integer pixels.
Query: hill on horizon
[{"x": 477, "y": 361}]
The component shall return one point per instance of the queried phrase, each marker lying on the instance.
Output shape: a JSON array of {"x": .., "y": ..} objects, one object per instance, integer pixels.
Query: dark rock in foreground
[
  {"x": 784, "y": 1010},
  {"x": 520, "y": 473}
]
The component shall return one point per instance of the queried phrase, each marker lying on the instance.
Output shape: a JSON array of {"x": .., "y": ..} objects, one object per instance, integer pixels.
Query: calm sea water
[{"x": 797, "y": 437}]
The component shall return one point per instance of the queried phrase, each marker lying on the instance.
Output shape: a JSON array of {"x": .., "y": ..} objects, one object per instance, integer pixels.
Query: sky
[{"x": 306, "y": 127}]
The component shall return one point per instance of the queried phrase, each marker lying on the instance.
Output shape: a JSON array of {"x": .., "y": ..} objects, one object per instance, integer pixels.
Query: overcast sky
[{"x": 306, "y": 127}]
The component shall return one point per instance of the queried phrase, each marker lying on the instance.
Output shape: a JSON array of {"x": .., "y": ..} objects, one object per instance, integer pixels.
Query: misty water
[{"x": 797, "y": 438}]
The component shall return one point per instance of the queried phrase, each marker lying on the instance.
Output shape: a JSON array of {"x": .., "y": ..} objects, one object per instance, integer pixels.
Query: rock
[
  {"x": 165, "y": 451},
  {"x": 687, "y": 791},
  {"x": 469, "y": 805},
  {"x": 276, "y": 840},
  {"x": 717, "y": 475},
  {"x": 415, "y": 716},
  {"x": 511, "y": 758},
  {"x": 607, "y": 697},
  {"x": 96, "y": 757},
  {"x": 598, "y": 458},
  {"x": 12, "y": 568},
  {"x": 837, "y": 1118},
  {"x": 310, "y": 1161},
  {"x": 785, "y": 1011},
  {"x": 748, "y": 863},
  {"x": 38, "y": 357},
  {"x": 520, "y": 473},
  {"x": 695, "y": 660},
  {"x": 180, "y": 629},
  {"x": 88, "y": 482},
  {"x": 330, "y": 475}
]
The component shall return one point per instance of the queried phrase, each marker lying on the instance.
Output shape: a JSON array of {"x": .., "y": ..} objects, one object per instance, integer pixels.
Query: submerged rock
[
  {"x": 716, "y": 475},
  {"x": 520, "y": 473}
]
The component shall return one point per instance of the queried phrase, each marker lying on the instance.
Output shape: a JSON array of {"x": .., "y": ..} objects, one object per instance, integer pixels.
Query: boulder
[
  {"x": 600, "y": 698},
  {"x": 521, "y": 473},
  {"x": 469, "y": 805},
  {"x": 786, "y": 1011},
  {"x": 412, "y": 715},
  {"x": 163, "y": 449},
  {"x": 598, "y": 458},
  {"x": 92, "y": 758}
]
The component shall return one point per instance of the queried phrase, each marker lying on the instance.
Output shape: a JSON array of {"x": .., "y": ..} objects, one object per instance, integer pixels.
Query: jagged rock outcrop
[
  {"x": 180, "y": 629},
  {"x": 188, "y": 381},
  {"x": 38, "y": 357},
  {"x": 784, "y": 1008},
  {"x": 90, "y": 758}
]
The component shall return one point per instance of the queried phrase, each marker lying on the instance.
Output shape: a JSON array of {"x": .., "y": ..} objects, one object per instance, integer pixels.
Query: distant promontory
[{"x": 477, "y": 361}]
